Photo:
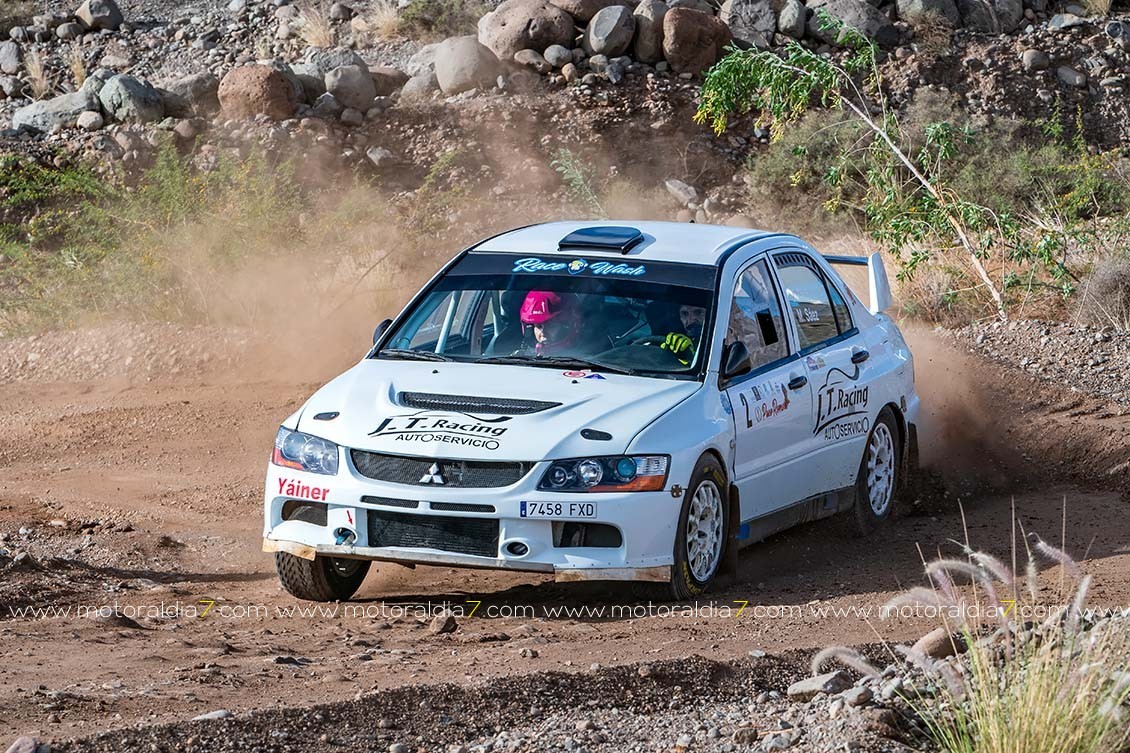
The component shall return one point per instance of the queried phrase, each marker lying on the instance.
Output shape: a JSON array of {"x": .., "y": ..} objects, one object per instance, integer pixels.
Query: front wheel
[
  {"x": 700, "y": 539},
  {"x": 878, "y": 474},
  {"x": 322, "y": 578}
]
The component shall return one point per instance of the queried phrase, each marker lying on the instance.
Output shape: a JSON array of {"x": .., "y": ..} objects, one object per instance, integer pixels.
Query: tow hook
[
  {"x": 344, "y": 537},
  {"x": 676, "y": 491}
]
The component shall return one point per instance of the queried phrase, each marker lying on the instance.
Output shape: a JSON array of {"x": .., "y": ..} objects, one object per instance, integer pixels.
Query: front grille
[
  {"x": 478, "y": 536},
  {"x": 389, "y": 502},
  {"x": 500, "y": 406},
  {"x": 461, "y": 507},
  {"x": 459, "y": 474}
]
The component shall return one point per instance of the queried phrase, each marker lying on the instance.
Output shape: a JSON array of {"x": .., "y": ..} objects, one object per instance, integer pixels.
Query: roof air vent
[{"x": 621, "y": 239}]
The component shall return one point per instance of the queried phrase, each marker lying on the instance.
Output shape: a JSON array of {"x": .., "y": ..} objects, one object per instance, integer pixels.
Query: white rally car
[{"x": 619, "y": 401}]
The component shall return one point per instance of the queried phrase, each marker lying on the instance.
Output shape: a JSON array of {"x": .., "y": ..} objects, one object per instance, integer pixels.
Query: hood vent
[{"x": 499, "y": 406}]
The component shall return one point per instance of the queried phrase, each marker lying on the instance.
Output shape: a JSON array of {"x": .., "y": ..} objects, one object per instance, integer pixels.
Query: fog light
[
  {"x": 344, "y": 537},
  {"x": 517, "y": 548}
]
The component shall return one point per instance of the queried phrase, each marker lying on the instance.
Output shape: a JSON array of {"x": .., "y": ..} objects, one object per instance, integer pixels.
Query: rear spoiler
[{"x": 878, "y": 288}]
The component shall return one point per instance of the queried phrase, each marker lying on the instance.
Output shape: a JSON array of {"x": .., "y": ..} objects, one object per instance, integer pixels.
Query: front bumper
[{"x": 645, "y": 521}]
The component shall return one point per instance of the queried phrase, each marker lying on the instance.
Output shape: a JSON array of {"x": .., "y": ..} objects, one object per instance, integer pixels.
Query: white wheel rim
[
  {"x": 880, "y": 469},
  {"x": 704, "y": 531}
]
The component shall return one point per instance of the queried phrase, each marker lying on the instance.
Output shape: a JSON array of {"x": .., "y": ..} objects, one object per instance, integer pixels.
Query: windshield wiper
[
  {"x": 565, "y": 362},
  {"x": 411, "y": 355}
]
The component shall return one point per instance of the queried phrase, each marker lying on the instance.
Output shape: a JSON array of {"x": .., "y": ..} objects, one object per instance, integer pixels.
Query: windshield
[{"x": 608, "y": 315}]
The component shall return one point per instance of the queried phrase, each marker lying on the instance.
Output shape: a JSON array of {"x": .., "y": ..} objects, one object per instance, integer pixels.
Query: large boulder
[
  {"x": 420, "y": 87},
  {"x": 462, "y": 64},
  {"x": 352, "y": 86},
  {"x": 321, "y": 60},
  {"x": 856, "y": 14},
  {"x": 61, "y": 112},
  {"x": 792, "y": 18},
  {"x": 915, "y": 10},
  {"x": 524, "y": 25},
  {"x": 423, "y": 60},
  {"x": 10, "y": 58},
  {"x": 257, "y": 89},
  {"x": 100, "y": 14},
  {"x": 199, "y": 91},
  {"x": 692, "y": 40},
  {"x": 609, "y": 32},
  {"x": 387, "y": 80},
  {"x": 991, "y": 16},
  {"x": 127, "y": 99},
  {"x": 584, "y": 10},
  {"x": 648, "y": 46},
  {"x": 751, "y": 21}
]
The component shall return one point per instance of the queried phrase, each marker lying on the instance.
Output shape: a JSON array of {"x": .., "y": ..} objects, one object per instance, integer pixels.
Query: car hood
[{"x": 427, "y": 409}]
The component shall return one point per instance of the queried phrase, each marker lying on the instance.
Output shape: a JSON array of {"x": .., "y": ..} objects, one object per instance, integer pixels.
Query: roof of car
[{"x": 662, "y": 241}]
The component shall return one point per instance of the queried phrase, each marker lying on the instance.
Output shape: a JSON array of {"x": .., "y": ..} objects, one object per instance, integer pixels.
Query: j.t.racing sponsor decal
[
  {"x": 577, "y": 266},
  {"x": 764, "y": 401},
  {"x": 444, "y": 428},
  {"x": 841, "y": 405},
  {"x": 291, "y": 488}
]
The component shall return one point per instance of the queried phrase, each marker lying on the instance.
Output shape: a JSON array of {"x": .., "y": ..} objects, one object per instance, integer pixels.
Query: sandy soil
[{"x": 147, "y": 494}]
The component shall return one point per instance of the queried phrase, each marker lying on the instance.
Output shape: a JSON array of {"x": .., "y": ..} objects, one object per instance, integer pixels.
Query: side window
[
  {"x": 755, "y": 316},
  {"x": 808, "y": 300},
  {"x": 839, "y": 309}
]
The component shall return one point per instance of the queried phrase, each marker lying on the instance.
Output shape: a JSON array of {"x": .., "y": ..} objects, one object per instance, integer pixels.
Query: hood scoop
[{"x": 498, "y": 406}]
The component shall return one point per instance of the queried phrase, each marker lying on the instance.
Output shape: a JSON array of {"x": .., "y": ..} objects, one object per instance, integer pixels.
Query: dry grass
[
  {"x": 383, "y": 20},
  {"x": 933, "y": 33},
  {"x": 76, "y": 64},
  {"x": 314, "y": 25},
  {"x": 1105, "y": 294},
  {"x": 15, "y": 13},
  {"x": 1098, "y": 7},
  {"x": 38, "y": 77}
]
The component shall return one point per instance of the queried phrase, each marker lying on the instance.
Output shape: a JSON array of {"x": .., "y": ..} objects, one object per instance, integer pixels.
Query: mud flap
[
  {"x": 909, "y": 471},
  {"x": 729, "y": 564}
]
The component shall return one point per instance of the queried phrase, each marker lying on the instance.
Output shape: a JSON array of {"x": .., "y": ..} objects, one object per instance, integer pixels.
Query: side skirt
[{"x": 806, "y": 511}]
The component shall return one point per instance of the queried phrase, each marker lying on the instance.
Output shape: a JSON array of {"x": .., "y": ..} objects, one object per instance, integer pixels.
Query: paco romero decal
[
  {"x": 445, "y": 428},
  {"x": 766, "y": 400},
  {"x": 842, "y": 398}
]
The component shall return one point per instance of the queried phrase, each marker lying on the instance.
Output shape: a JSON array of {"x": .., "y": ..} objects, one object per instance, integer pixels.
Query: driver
[
  {"x": 681, "y": 344},
  {"x": 555, "y": 320}
]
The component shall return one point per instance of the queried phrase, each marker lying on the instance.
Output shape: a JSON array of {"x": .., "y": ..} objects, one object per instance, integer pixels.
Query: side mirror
[
  {"x": 735, "y": 361},
  {"x": 380, "y": 330}
]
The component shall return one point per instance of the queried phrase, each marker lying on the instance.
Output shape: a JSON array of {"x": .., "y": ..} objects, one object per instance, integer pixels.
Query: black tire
[
  {"x": 320, "y": 579},
  {"x": 693, "y": 578},
  {"x": 884, "y": 446}
]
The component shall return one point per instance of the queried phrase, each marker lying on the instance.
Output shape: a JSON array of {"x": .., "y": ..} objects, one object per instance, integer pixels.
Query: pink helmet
[{"x": 542, "y": 306}]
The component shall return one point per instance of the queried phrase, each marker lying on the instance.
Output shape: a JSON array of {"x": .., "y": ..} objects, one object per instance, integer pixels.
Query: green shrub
[{"x": 441, "y": 18}]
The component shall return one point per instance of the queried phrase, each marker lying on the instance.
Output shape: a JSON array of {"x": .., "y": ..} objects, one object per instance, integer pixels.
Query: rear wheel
[
  {"x": 700, "y": 539},
  {"x": 878, "y": 474},
  {"x": 320, "y": 579}
]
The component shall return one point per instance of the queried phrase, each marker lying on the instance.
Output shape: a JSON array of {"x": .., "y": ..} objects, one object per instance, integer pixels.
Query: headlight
[
  {"x": 619, "y": 473},
  {"x": 303, "y": 452}
]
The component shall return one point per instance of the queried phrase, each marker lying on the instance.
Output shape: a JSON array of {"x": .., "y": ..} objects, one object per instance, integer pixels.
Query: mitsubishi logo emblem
[{"x": 433, "y": 476}]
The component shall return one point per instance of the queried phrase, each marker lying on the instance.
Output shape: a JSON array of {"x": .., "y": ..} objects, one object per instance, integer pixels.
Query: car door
[
  {"x": 837, "y": 366},
  {"x": 772, "y": 404}
]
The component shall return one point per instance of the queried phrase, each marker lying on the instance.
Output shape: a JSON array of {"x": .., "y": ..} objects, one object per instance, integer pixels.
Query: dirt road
[{"x": 146, "y": 495}]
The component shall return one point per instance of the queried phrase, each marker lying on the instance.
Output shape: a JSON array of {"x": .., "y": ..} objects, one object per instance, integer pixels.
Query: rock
[
  {"x": 217, "y": 714},
  {"x": 96, "y": 80},
  {"x": 200, "y": 92},
  {"x": 810, "y": 687},
  {"x": 683, "y": 193},
  {"x": 792, "y": 19},
  {"x": 256, "y": 90},
  {"x": 692, "y": 40},
  {"x": 423, "y": 60},
  {"x": 532, "y": 59},
  {"x": 857, "y": 14},
  {"x": 648, "y": 46},
  {"x": 100, "y": 14},
  {"x": 352, "y": 86},
  {"x": 127, "y": 99},
  {"x": 913, "y": 10},
  {"x": 185, "y": 130},
  {"x": 584, "y": 10},
  {"x": 444, "y": 622},
  {"x": 938, "y": 644},
  {"x": 857, "y": 696},
  {"x": 1035, "y": 60},
  {"x": 420, "y": 87},
  {"x": 340, "y": 12},
  {"x": 10, "y": 58},
  {"x": 745, "y": 736},
  {"x": 321, "y": 60},
  {"x": 387, "y": 80},
  {"x": 90, "y": 121},
  {"x": 11, "y": 86},
  {"x": 24, "y": 744},
  {"x": 351, "y": 117},
  {"x": 381, "y": 157},
  {"x": 570, "y": 73},
  {"x": 699, "y": 5},
  {"x": 68, "y": 31},
  {"x": 991, "y": 16},
  {"x": 462, "y": 63},
  {"x": 609, "y": 32},
  {"x": 1061, "y": 21},
  {"x": 1071, "y": 77},
  {"x": 557, "y": 55},
  {"x": 60, "y": 112},
  {"x": 326, "y": 106},
  {"x": 528, "y": 653},
  {"x": 524, "y": 25},
  {"x": 750, "y": 21}
]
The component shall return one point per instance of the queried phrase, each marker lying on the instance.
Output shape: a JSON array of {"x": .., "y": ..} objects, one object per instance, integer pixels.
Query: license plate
[{"x": 558, "y": 510}]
